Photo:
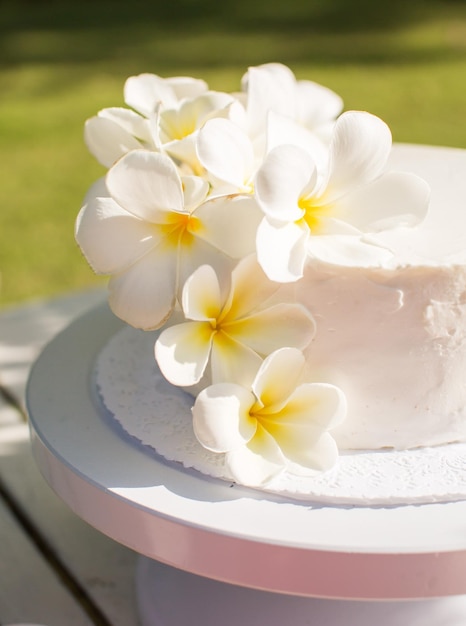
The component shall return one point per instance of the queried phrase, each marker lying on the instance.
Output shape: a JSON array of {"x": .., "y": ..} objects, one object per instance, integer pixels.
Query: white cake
[
  {"x": 395, "y": 336},
  {"x": 318, "y": 280}
]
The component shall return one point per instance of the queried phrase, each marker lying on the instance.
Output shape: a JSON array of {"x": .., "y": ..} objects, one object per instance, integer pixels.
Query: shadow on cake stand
[{"x": 217, "y": 553}]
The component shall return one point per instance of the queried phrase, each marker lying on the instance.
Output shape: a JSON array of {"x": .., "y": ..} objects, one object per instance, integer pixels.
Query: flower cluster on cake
[{"x": 213, "y": 208}]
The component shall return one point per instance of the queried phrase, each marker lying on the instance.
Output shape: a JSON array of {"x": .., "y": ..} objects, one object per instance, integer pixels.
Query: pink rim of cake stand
[{"x": 220, "y": 531}]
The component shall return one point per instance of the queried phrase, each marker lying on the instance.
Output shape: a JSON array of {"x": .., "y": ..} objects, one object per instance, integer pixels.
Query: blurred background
[{"x": 62, "y": 61}]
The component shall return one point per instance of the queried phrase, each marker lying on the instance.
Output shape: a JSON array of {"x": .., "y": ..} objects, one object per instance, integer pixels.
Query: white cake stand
[{"x": 241, "y": 557}]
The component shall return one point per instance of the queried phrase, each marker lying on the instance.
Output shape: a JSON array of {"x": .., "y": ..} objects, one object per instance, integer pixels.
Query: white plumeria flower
[
  {"x": 115, "y": 131},
  {"x": 145, "y": 92},
  {"x": 153, "y": 229},
  {"x": 273, "y": 111},
  {"x": 275, "y": 108},
  {"x": 326, "y": 217},
  {"x": 281, "y": 422},
  {"x": 180, "y": 125},
  {"x": 234, "y": 330},
  {"x": 167, "y": 113},
  {"x": 273, "y": 87}
]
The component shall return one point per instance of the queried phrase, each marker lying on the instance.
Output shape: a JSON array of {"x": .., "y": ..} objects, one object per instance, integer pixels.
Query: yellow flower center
[
  {"x": 314, "y": 210},
  {"x": 175, "y": 125},
  {"x": 180, "y": 228},
  {"x": 248, "y": 187},
  {"x": 213, "y": 324}
]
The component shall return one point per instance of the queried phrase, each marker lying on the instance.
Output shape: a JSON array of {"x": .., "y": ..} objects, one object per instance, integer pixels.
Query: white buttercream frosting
[{"x": 440, "y": 239}]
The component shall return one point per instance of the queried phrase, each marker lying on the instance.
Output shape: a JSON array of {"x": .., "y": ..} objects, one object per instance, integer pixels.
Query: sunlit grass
[{"x": 60, "y": 64}]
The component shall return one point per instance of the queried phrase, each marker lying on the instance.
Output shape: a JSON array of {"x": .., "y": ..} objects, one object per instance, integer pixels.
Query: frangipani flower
[
  {"x": 280, "y": 423},
  {"x": 167, "y": 113},
  {"x": 145, "y": 92},
  {"x": 234, "y": 330},
  {"x": 115, "y": 131},
  {"x": 273, "y": 87},
  {"x": 180, "y": 125},
  {"x": 274, "y": 108},
  {"x": 326, "y": 217},
  {"x": 153, "y": 229}
]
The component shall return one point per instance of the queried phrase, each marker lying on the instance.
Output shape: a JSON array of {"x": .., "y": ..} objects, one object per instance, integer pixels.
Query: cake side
[{"x": 395, "y": 342}]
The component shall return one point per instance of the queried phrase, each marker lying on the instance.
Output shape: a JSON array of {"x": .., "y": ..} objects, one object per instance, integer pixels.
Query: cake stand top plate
[{"x": 216, "y": 529}]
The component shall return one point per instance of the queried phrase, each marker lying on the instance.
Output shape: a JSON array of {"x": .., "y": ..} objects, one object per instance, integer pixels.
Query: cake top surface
[{"x": 440, "y": 239}]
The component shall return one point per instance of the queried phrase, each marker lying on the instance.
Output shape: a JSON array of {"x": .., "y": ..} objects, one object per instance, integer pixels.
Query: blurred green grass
[{"x": 60, "y": 62}]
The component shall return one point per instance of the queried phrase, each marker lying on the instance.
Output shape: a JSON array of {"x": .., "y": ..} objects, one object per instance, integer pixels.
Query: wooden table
[{"x": 54, "y": 568}]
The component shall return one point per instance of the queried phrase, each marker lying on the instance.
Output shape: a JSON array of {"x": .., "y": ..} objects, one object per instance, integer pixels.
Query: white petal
[
  {"x": 146, "y": 183},
  {"x": 182, "y": 352},
  {"x": 298, "y": 428},
  {"x": 394, "y": 199},
  {"x": 330, "y": 225},
  {"x": 196, "y": 253},
  {"x": 107, "y": 141},
  {"x": 279, "y": 376},
  {"x": 359, "y": 151},
  {"x": 230, "y": 224},
  {"x": 110, "y": 238},
  {"x": 98, "y": 189},
  {"x": 144, "y": 295},
  {"x": 232, "y": 361},
  {"x": 314, "y": 407},
  {"x": 276, "y": 327},
  {"x": 130, "y": 121},
  {"x": 258, "y": 462},
  {"x": 154, "y": 128},
  {"x": 226, "y": 152},
  {"x": 185, "y": 151},
  {"x": 186, "y": 86},
  {"x": 195, "y": 190},
  {"x": 285, "y": 172},
  {"x": 201, "y": 295},
  {"x": 281, "y": 250},
  {"x": 236, "y": 111},
  {"x": 316, "y": 104},
  {"x": 320, "y": 455},
  {"x": 192, "y": 113},
  {"x": 145, "y": 91},
  {"x": 170, "y": 126},
  {"x": 348, "y": 251},
  {"x": 250, "y": 289},
  {"x": 270, "y": 87},
  {"x": 221, "y": 419},
  {"x": 283, "y": 130}
]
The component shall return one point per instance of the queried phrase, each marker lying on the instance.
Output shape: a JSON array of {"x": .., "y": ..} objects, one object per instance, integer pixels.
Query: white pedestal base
[{"x": 171, "y": 597}]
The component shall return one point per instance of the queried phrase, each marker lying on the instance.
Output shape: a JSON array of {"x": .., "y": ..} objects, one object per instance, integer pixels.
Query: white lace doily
[{"x": 159, "y": 416}]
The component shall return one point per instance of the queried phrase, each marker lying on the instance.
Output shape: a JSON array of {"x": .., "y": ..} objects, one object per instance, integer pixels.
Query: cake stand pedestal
[
  {"x": 169, "y": 597},
  {"x": 219, "y": 553}
]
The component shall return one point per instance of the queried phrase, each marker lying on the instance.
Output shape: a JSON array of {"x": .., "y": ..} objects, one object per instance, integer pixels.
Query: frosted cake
[{"x": 306, "y": 279}]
